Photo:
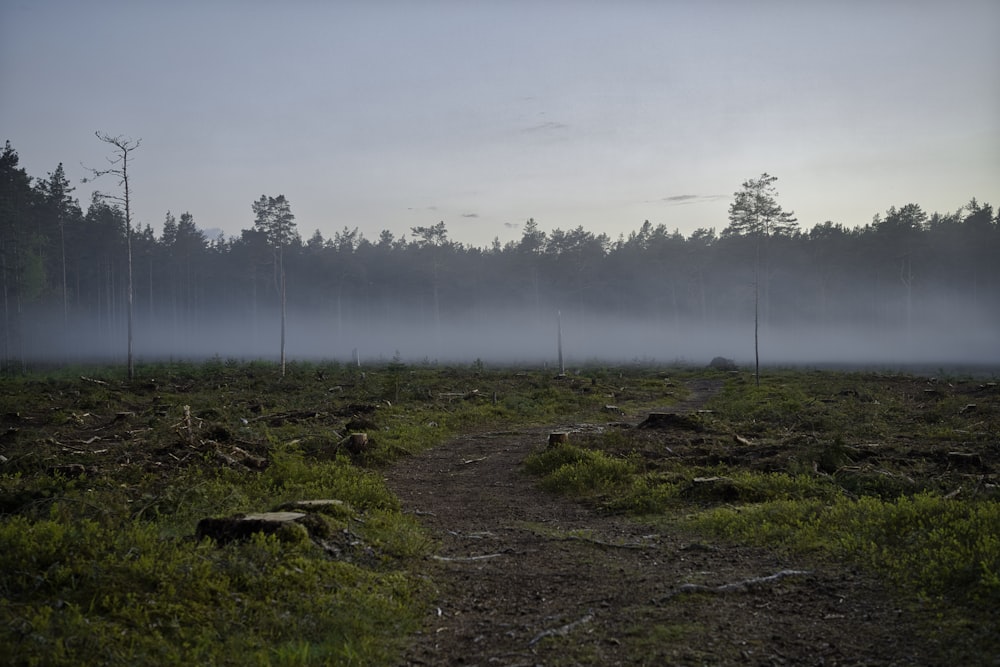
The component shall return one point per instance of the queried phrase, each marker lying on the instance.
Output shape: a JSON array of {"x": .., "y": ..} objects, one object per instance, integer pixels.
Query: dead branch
[
  {"x": 278, "y": 418},
  {"x": 744, "y": 586},
  {"x": 561, "y": 631},
  {"x": 463, "y": 559},
  {"x": 602, "y": 543}
]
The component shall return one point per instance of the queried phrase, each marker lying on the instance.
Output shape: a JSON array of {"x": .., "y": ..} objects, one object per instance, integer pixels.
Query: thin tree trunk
[
  {"x": 756, "y": 314},
  {"x": 562, "y": 367},
  {"x": 282, "y": 321},
  {"x": 65, "y": 294},
  {"x": 6, "y": 310},
  {"x": 128, "y": 289},
  {"x": 129, "y": 301},
  {"x": 152, "y": 314}
]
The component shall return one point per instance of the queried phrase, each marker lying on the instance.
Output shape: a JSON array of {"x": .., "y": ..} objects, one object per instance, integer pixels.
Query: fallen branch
[
  {"x": 561, "y": 631},
  {"x": 467, "y": 462},
  {"x": 737, "y": 587},
  {"x": 278, "y": 418},
  {"x": 602, "y": 543},
  {"x": 463, "y": 559}
]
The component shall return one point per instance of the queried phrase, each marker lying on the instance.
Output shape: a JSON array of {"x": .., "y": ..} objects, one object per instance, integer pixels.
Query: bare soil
[{"x": 528, "y": 578}]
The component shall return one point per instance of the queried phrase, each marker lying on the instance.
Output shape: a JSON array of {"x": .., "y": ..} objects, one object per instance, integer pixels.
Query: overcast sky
[{"x": 389, "y": 115}]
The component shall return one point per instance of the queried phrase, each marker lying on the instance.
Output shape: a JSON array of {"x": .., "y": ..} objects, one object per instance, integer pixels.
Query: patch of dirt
[{"x": 528, "y": 578}]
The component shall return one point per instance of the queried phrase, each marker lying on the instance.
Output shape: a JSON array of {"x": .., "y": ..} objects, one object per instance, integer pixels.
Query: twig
[
  {"x": 602, "y": 543},
  {"x": 561, "y": 631},
  {"x": 465, "y": 559},
  {"x": 474, "y": 460},
  {"x": 736, "y": 587}
]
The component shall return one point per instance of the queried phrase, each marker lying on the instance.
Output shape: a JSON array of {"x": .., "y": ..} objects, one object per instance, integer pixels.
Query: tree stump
[
  {"x": 242, "y": 527},
  {"x": 965, "y": 460},
  {"x": 671, "y": 420},
  {"x": 357, "y": 443},
  {"x": 330, "y": 507},
  {"x": 712, "y": 489},
  {"x": 556, "y": 439}
]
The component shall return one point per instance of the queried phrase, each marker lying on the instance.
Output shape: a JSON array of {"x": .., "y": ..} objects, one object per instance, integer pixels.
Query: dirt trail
[{"x": 528, "y": 578}]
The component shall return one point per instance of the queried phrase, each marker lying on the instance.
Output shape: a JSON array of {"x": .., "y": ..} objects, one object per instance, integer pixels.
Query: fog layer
[{"x": 942, "y": 331}]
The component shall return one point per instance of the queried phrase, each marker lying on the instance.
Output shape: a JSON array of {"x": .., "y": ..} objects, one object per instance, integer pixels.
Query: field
[{"x": 830, "y": 517}]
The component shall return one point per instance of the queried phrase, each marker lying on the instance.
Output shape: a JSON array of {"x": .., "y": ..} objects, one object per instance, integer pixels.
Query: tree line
[{"x": 64, "y": 270}]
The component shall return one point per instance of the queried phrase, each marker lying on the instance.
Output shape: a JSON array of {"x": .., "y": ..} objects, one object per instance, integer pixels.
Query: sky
[{"x": 390, "y": 114}]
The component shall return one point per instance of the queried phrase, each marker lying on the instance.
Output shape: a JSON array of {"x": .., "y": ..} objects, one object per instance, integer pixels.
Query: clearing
[{"x": 526, "y": 577}]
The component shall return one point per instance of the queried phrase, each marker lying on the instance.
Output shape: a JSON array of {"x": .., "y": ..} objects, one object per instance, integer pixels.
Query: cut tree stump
[
  {"x": 712, "y": 488},
  {"x": 357, "y": 443},
  {"x": 671, "y": 420},
  {"x": 967, "y": 460},
  {"x": 242, "y": 527},
  {"x": 558, "y": 439},
  {"x": 328, "y": 506}
]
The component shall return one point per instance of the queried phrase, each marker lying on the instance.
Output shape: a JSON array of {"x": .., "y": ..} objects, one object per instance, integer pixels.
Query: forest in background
[{"x": 910, "y": 286}]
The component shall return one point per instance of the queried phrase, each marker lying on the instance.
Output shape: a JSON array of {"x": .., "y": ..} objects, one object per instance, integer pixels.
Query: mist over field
[
  {"x": 909, "y": 288},
  {"x": 944, "y": 331}
]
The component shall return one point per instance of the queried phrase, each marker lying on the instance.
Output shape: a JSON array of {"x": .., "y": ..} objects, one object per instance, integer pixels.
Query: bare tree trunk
[
  {"x": 562, "y": 367},
  {"x": 152, "y": 313},
  {"x": 128, "y": 288},
  {"x": 65, "y": 294},
  {"x": 124, "y": 148},
  {"x": 906, "y": 277},
  {"x": 756, "y": 314},
  {"x": 283, "y": 301},
  {"x": 6, "y": 310}
]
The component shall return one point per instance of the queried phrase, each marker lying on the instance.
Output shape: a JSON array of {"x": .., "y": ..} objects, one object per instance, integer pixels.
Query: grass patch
[
  {"x": 103, "y": 482},
  {"x": 897, "y": 473},
  {"x": 938, "y": 547}
]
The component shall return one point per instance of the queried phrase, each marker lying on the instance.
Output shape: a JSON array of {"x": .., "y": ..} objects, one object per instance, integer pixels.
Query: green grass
[
  {"x": 936, "y": 547},
  {"x": 104, "y": 482},
  {"x": 858, "y": 467}
]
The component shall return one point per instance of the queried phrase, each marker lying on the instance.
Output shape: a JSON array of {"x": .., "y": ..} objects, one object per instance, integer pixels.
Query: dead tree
[{"x": 120, "y": 157}]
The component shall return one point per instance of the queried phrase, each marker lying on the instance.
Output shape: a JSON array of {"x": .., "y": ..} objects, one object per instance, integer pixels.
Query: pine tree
[
  {"x": 273, "y": 217},
  {"x": 755, "y": 212}
]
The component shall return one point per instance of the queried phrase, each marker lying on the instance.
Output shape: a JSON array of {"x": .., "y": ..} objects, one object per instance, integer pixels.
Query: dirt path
[{"x": 528, "y": 578}]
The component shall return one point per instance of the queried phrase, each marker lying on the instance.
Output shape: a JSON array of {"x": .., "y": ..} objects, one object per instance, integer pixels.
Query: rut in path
[{"x": 525, "y": 577}]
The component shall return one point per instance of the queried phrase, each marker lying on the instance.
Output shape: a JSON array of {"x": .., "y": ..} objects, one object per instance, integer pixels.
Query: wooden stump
[
  {"x": 357, "y": 443},
  {"x": 670, "y": 420},
  {"x": 236, "y": 528},
  {"x": 965, "y": 460},
  {"x": 329, "y": 507},
  {"x": 712, "y": 488},
  {"x": 556, "y": 439}
]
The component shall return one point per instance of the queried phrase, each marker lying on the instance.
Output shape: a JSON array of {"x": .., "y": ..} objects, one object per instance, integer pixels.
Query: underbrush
[
  {"x": 97, "y": 574},
  {"x": 103, "y": 484},
  {"x": 897, "y": 473},
  {"x": 935, "y": 546}
]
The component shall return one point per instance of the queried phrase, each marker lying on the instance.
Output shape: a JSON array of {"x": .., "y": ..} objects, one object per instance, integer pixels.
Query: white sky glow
[{"x": 388, "y": 115}]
